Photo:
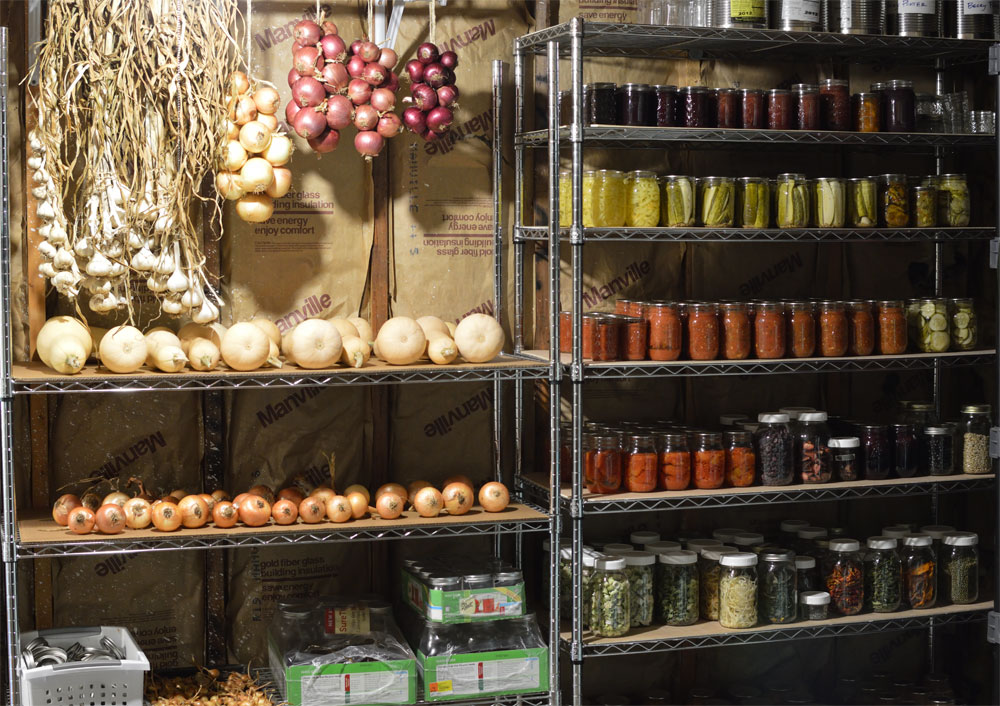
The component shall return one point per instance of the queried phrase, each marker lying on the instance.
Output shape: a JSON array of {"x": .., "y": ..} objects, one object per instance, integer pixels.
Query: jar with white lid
[
  {"x": 774, "y": 446},
  {"x": 790, "y": 529},
  {"x": 960, "y": 568},
  {"x": 610, "y": 613},
  {"x": 745, "y": 541},
  {"x": 844, "y": 452},
  {"x": 617, "y": 548},
  {"x": 678, "y": 590},
  {"x": 919, "y": 571},
  {"x": 814, "y": 605},
  {"x": 805, "y": 544},
  {"x": 709, "y": 573},
  {"x": 639, "y": 569},
  {"x": 937, "y": 533},
  {"x": 883, "y": 575},
  {"x": 642, "y": 538},
  {"x": 738, "y": 590},
  {"x": 724, "y": 534},
  {"x": 586, "y": 585},
  {"x": 843, "y": 572},
  {"x": 664, "y": 545}
]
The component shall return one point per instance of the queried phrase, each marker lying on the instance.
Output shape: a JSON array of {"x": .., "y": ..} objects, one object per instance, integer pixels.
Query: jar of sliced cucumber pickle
[
  {"x": 639, "y": 569},
  {"x": 930, "y": 328},
  {"x": 792, "y": 199},
  {"x": 964, "y": 328},
  {"x": 718, "y": 204},
  {"x": 753, "y": 202},
  {"x": 830, "y": 202},
  {"x": 861, "y": 198},
  {"x": 610, "y": 604},
  {"x": 677, "y": 197}
]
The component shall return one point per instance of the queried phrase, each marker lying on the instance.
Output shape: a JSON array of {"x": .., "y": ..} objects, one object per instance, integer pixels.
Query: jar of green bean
[
  {"x": 961, "y": 568},
  {"x": 883, "y": 574},
  {"x": 777, "y": 586},
  {"x": 586, "y": 585},
  {"x": 639, "y": 569},
  {"x": 709, "y": 573},
  {"x": 738, "y": 590},
  {"x": 610, "y": 601},
  {"x": 677, "y": 592}
]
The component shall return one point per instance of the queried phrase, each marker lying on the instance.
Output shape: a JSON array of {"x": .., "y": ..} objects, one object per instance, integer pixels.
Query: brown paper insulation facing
[
  {"x": 275, "y": 436},
  {"x": 311, "y": 258},
  {"x": 157, "y": 437}
]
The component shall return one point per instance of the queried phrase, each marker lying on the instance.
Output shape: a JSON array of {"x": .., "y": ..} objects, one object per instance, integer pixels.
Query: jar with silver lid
[
  {"x": 777, "y": 586},
  {"x": 973, "y": 19},
  {"x": 639, "y": 569}
]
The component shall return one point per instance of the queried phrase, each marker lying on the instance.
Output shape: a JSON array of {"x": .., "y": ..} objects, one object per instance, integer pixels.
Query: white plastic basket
[{"x": 103, "y": 683}]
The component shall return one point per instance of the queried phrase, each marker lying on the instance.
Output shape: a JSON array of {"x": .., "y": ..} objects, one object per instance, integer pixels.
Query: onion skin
[
  {"x": 309, "y": 123},
  {"x": 293, "y": 494},
  {"x": 449, "y": 60},
  {"x": 356, "y": 46},
  {"x": 435, "y": 75},
  {"x": 225, "y": 514},
  {"x": 391, "y": 81},
  {"x": 110, "y": 519},
  {"x": 389, "y": 125},
  {"x": 238, "y": 500},
  {"x": 326, "y": 142},
  {"x": 359, "y": 505},
  {"x": 267, "y": 100},
  {"x": 358, "y": 488},
  {"x": 335, "y": 77},
  {"x": 322, "y": 493},
  {"x": 329, "y": 27},
  {"x": 369, "y": 143},
  {"x": 414, "y": 70},
  {"x": 312, "y": 510},
  {"x": 395, "y": 488},
  {"x": 416, "y": 486},
  {"x": 430, "y": 136},
  {"x": 458, "y": 478},
  {"x": 308, "y": 92},
  {"x": 494, "y": 497},
  {"x": 439, "y": 119},
  {"x": 220, "y": 495},
  {"x": 63, "y": 505},
  {"x": 447, "y": 95},
  {"x": 138, "y": 513},
  {"x": 239, "y": 82},
  {"x": 359, "y": 91},
  {"x": 263, "y": 491},
  {"x": 427, "y": 53},
  {"x": 333, "y": 48},
  {"x": 210, "y": 501},
  {"x": 116, "y": 498},
  {"x": 355, "y": 66},
  {"x": 458, "y": 498},
  {"x": 415, "y": 120},
  {"x": 388, "y": 58},
  {"x": 81, "y": 520},
  {"x": 428, "y": 502},
  {"x": 91, "y": 500},
  {"x": 365, "y": 117},
  {"x": 307, "y": 60},
  {"x": 307, "y": 32},
  {"x": 285, "y": 512},
  {"x": 368, "y": 51},
  {"x": 425, "y": 98},
  {"x": 293, "y": 76},
  {"x": 339, "y": 112},
  {"x": 373, "y": 74},
  {"x": 291, "y": 110}
]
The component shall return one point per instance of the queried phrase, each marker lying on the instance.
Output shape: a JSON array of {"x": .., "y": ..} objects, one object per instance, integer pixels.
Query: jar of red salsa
[
  {"x": 806, "y": 100},
  {"x": 754, "y": 109},
  {"x": 675, "y": 462},
  {"x": 709, "y": 460},
  {"x": 779, "y": 109},
  {"x": 588, "y": 332},
  {"x": 665, "y": 330},
  {"x": 666, "y": 105},
  {"x": 636, "y": 337},
  {"x": 607, "y": 338},
  {"x": 861, "y": 338},
  {"x": 891, "y": 327},
  {"x": 736, "y": 326},
  {"x": 622, "y": 306},
  {"x": 741, "y": 461},
  {"x": 635, "y": 308},
  {"x": 641, "y": 464},
  {"x": 728, "y": 108},
  {"x": 769, "y": 330},
  {"x": 832, "y": 329},
  {"x": 801, "y": 329},
  {"x": 703, "y": 331},
  {"x": 835, "y": 104},
  {"x": 565, "y": 331},
  {"x": 602, "y": 472}
]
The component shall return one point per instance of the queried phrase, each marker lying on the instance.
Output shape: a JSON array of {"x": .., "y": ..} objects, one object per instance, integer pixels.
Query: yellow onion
[
  {"x": 281, "y": 184},
  {"x": 257, "y": 175},
  {"x": 279, "y": 151},
  {"x": 233, "y": 156},
  {"x": 255, "y": 208},
  {"x": 239, "y": 81},
  {"x": 269, "y": 121},
  {"x": 255, "y": 137},
  {"x": 229, "y": 185},
  {"x": 244, "y": 111}
]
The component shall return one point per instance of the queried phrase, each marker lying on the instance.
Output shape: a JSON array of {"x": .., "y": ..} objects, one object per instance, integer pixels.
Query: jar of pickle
[
  {"x": 812, "y": 448},
  {"x": 610, "y": 611},
  {"x": 862, "y": 196},
  {"x": 844, "y": 457},
  {"x": 641, "y": 464},
  {"x": 666, "y": 105},
  {"x": 779, "y": 109},
  {"x": 735, "y": 330},
  {"x": 642, "y": 200},
  {"x": 867, "y": 112},
  {"x": 937, "y": 445},
  {"x": 588, "y": 330},
  {"x": 792, "y": 199},
  {"x": 883, "y": 575},
  {"x": 875, "y": 450},
  {"x": 587, "y": 195},
  {"x": 741, "y": 461},
  {"x": 835, "y": 104},
  {"x": 905, "y": 451},
  {"x": 831, "y": 202},
  {"x": 960, "y": 568},
  {"x": 717, "y": 202},
  {"x": 919, "y": 572},
  {"x": 665, "y": 330},
  {"x": 769, "y": 330},
  {"x": 727, "y": 108},
  {"x": 893, "y": 204},
  {"x": 709, "y": 573},
  {"x": 677, "y": 200},
  {"x": 590, "y": 558},
  {"x": 703, "y": 331},
  {"x": 678, "y": 588},
  {"x": 801, "y": 329},
  {"x": 675, "y": 462},
  {"x": 843, "y": 572},
  {"x": 753, "y": 203},
  {"x": 636, "y": 104},
  {"x": 806, "y": 101},
  {"x": 709, "y": 461},
  {"x": 738, "y": 590},
  {"x": 602, "y": 472},
  {"x": 891, "y": 327},
  {"x": 964, "y": 329},
  {"x": 754, "y": 105},
  {"x": 924, "y": 202},
  {"x": 607, "y": 338},
  {"x": 861, "y": 330},
  {"x": 609, "y": 199},
  {"x": 600, "y": 104},
  {"x": 639, "y": 567},
  {"x": 832, "y": 329},
  {"x": 931, "y": 326},
  {"x": 775, "y": 449},
  {"x": 691, "y": 106},
  {"x": 565, "y": 199},
  {"x": 953, "y": 200},
  {"x": 975, "y": 438},
  {"x": 777, "y": 587}
]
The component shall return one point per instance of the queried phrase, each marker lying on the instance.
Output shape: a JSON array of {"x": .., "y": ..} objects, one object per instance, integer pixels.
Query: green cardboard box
[
  {"x": 463, "y": 606},
  {"x": 464, "y": 676}
]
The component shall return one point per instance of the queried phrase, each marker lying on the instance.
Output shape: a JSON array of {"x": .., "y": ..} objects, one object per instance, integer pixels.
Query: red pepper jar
[
  {"x": 636, "y": 337},
  {"x": 709, "y": 461},
  {"x": 801, "y": 329},
  {"x": 806, "y": 106},
  {"x": 703, "y": 331},
  {"x": 861, "y": 338},
  {"x": 674, "y": 462},
  {"x": 588, "y": 332},
  {"x": 779, "y": 109},
  {"x": 891, "y": 327},
  {"x": 607, "y": 338}
]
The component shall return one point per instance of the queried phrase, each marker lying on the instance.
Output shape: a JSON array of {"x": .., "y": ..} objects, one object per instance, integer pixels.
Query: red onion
[
  {"x": 329, "y": 27},
  {"x": 435, "y": 75},
  {"x": 369, "y": 143},
  {"x": 439, "y": 119},
  {"x": 373, "y": 73},
  {"x": 333, "y": 47},
  {"x": 339, "y": 112},
  {"x": 368, "y": 51},
  {"x": 415, "y": 70},
  {"x": 298, "y": 45},
  {"x": 326, "y": 142},
  {"x": 389, "y": 125},
  {"x": 355, "y": 46},
  {"x": 307, "y": 60},
  {"x": 359, "y": 91},
  {"x": 291, "y": 110},
  {"x": 307, "y": 32},
  {"x": 383, "y": 100},
  {"x": 449, "y": 59},
  {"x": 388, "y": 58},
  {"x": 415, "y": 120},
  {"x": 424, "y": 97},
  {"x": 391, "y": 81},
  {"x": 427, "y": 53},
  {"x": 309, "y": 123},
  {"x": 430, "y": 136},
  {"x": 365, "y": 117},
  {"x": 293, "y": 76},
  {"x": 308, "y": 92},
  {"x": 449, "y": 77},
  {"x": 447, "y": 95},
  {"x": 335, "y": 75},
  {"x": 355, "y": 66}
]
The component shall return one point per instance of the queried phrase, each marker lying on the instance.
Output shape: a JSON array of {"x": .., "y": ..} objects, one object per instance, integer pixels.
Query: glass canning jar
[
  {"x": 754, "y": 107},
  {"x": 738, "y": 590},
  {"x": 678, "y": 589},
  {"x": 806, "y": 541},
  {"x": 718, "y": 205},
  {"x": 779, "y": 109},
  {"x": 832, "y": 329},
  {"x": 641, "y": 464},
  {"x": 774, "y": 445},
  {"x": 635, "y": 104},
  {"x": 735, "y": 330},
  {"x": 905, "y": 451},
  {"x": 835, "y": 104},
  {"x": 565, "y": 199},
  {"x": 709, "y": 460},
  {"x": 677, "y": 201},
  {"x": 806, "y": 575},
  {"x": 814, "y": 605},
  {"x": 777, "y": 587},
  {"x": 769, "y": 330},
  {"x": 931, "y": 326},
  {"x": 709, "y": 572},
  {"x": 727, "y": 108},
  {"x": 588, "y": 330},
  {"x": 789, "y": 529},
  {"x": 590, "y": 558},
  {"x": 812, "y": 448},
  {"x": 609, "y": 199},
  {"x": 899, "y": 103},
  {"x": 923, "y": 201},
  {"x": 589, "y": 181},
  {"x": 741, "y": 461},
  {"x": 921, "y": 414},
  {"x": 831, "y": 202},
  {"x": 674, "y": 462},
  {"x": 806, "y": 101},
  {"x": 636, "y": 337},
  {"x": 891, "y": 327},
  {"x": 600, "y": 104},
  {"x": 953, "y": 200},
  {"x": 603, "y": 463},
  {"x": 893, "y": 203},
  {"x": 843, "y": 572},
  {"x": 801, "y": 329},
  {"x": 861, "y": 338},
  {"x": 974, "y": 427},
  {"x": 937, "y": 533},
  {"x": 877, "y": 89},
  {"x": 639, "y": 570},
  {"x": 793, "y": 203},
  {"x": 608, "y": 338},
  {"x": 641, "y": 538},
  {"x": 964, "y": 326},
  {"x": 919, "y": 572},
  {"x": 875, "y": 451},
  {"x": 937, "y": 451},
  {"x": 610, "y": 605},
  {"x": 665, "y": 330},
  {"x": 642, "y": 200},
  {"x": 703, "y": 331},
  {"x": 883, "y": 575},
  {"x": 867, "y": 112},
  {"x": 862, "y": 196},
  {"x": 666, "y": 105},
  {"x": 960, "y": 568},
  {"x": 691, "y": 106},
  {"x": 753, "y": 202}
]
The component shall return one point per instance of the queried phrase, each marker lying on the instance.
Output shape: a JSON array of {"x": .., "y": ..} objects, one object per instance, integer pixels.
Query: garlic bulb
[
  {"x": 40, "y": 192},
  {"x": 157, "y": 283},
  {"x": 113, "y": 249},
  {"x": 47, "y": 270},
  {"x": 35, "y": 163},
  {"x": 165, "y": 265},
  {"x": 172, "y": 305},
  {"x": 39, "y": 177},
  {"x": 117, "y": 269},
  {"x": 47, "y": 249},
  {"x": 191, "y": 299},
  {"x": 83, "y": 249},
  {"x": 133, "y": 240},
  {"x": 99, "y": 266},
  {"x": 45, "y": 211},
  {"x": 206, "y": 314},
  {"x": 95, "y": 285},
  {"x": 45, "y": 230},
  {"x": 57, "y": 236},
  {"x": 144, "y": 260},
  {"x": 63, "y": 259}
]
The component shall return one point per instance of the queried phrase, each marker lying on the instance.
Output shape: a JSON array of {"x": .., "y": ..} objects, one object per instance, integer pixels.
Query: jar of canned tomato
[
  {"x": 832, "y": 329},
  {"x": 835, "y": 104},
  {"x": 754, "y": 112},
  {"x": 602, "y": 470},
  {"x": 735, "y": 331},
  {"x": 641, "y": 464},
  {"x": 801, "y": 329},
  {"x": 741, "y": 461},
  {"x": 665, "y": 330},
  {"x": 806, "y": 101},
  {"x": 727, "y": 108},
  {"x": 622, "y": 306},
  {"x": 636, "y": 337},
  {"x": 709, "y": 460},
  {"x": 779, "y": 109},
  {"x": 607, "y": 338},
  {"x": 769, "y": 330},
  {"x": 565, "y": 331},
  {"x": 703, "y": 331},
  {"x": 675, "y": 462},
  {"x": 861, "y": 332},
  {"x": 588, "y": 332},
  {"x": 891, "y": 327}
]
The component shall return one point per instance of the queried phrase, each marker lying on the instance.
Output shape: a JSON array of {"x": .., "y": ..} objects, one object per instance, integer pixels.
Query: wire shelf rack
[{"x": 766, "y": 235}]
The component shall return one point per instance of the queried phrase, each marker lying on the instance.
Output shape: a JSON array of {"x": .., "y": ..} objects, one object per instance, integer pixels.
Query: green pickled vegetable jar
[
  {"x": 677, "y": 201},
  {"x": 953, "y": 200},
  {"x": 893, "y": 202},
  {"x": 831, "y": 202},
  {"x": 738, "y": 590},
  {"x": 964, "y": 331},
  {"x": 639, "y": 569},
  {"x": 924, "y": 200},
  {"x": 931, "y": 326},
  {"x": 586, "y": 585},
  {"x": 609, "y": 199},
  {"x": 960, "y": 568},
  {"x": 792, "y": 199},
  {"x": 678, "y": 590},
  {"x": 610, "y": 600},
  {"x": 883, "y": 575},
  {"x": 861, "y": 196},
  {"x": 753, "y": 203},
  {"x": 565, "y": 199},
  {"x": 589, "y": 179},
  {"x": 717, "y": 202},
  {"x": 642, "y": 200}
]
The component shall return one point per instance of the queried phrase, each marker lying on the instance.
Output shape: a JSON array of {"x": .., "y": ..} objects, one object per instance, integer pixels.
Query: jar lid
[
  {"x": 665, "y": 87},
  {"x": 642, "y": 440},
  {"x": 673, "y": 438},
  {"x": 890, "y": 303},
  {"x": 922, "y": 406},
  {"x": 747, "y": 539},
  {"x": 778, "y": 555},
  {"x": 715, "y": 553},
  {"x": 635, "y": 87},
  {"x": 899, "y": 83},
  {"x": 605, "y": 438},
  {"x": 845, "y": 442},
  {"x": 882, "y": 542},
  {"x": 918, "y": 540},
  {"x": 767, "y": 418},
  {"x": 805, "y": 562},
  {"x": 739, "y": 559},
  {"x": 641, "y": 174},
  {"x": 951, "y": 176},
  {"x": 814, "y": 597},
  {"x": 639, "y": 558},
  {"x": 592, "y": 315},
  {"x": 779, "y": 91},
  {"x": 877, "y": 86},
  {"x": 618, "y": 548},
  {"x": 611, "y": 173},
  {"x": 895, "y": 531},
  {"x": 599, "y": 84},
  {"x": 590, "y": 559},
  {"x": 861, "y": 180},
  {"x": 866, "y": 95},
  {"x": 800, "y": 87},
  {"x": 832, "y": 82},
  {"x": 813, "y": 417},
  {"x": 790, "y": 176},
  {"x": 872, "y": 428},
  {"x": 700, "y": 543},
  {"x": 726, "y": 534},
  {"x": 812, "y": 532},
  {"x": 693, "y": 89},
  {"x": 725, "y": 91},
  {"x": 678, "y": 557},
  {"x": 738, "y": 437},
  {"x": 891, "y": 177},
  {"x": 748, "y": 180},
  {"x": 937, "y": 531},
  {"x": 664, "y": 545},
  {"x": 793, "y": 525},
  {"x": 977, "y": 409},
  {"x": 566, "y": 553},
  {"x": 644, "y": 537},
  {"x": 961, "y": 539},
  {"x": 745, "y": 91},
  {"x": 709, "y": 437},
  {"x": 844, "y": 545},
  {"x": 610, "y": 563},
  {"x": 936, "y": 431},
  {"x": 728, "y": 420},
  {"x": 924, "y": 189}
]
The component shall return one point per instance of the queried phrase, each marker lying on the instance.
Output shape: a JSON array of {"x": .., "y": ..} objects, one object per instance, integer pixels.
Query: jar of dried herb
[
  {"x": 960, "y": 568},
  {"x": 843, "y": 573},
  {"x": 678, "y": 589},
  {"x": 882, "y": 575},
  {"x": 919, "y": 571}
]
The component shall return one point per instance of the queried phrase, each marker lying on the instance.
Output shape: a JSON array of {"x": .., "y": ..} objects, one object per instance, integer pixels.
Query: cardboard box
[
  {"x": 463, "y": 606},
  {"x": 463, "y": 676}
]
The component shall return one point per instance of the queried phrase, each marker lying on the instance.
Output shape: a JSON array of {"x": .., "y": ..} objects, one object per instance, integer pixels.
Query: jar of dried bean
[
  {"x": 590, "y": 558},
  {"x": 677, "y": 201},
  {"x": 844, "y": 457},
  {"x": 703, "y": 331},
  {"x": 674, "y": 462},
  {"x": 960, "y": 568},
  {"x": 875, "y": 451},
  {"x": 835, "y": 104},
  {"x": 775, "y": 449},
  {"x": 769, "y": 330},
  {"x": 636, "y": 104},
  {"x": 641, "y": 464},
  {"x": 937, "y": 451},
  {"x": 919, "y": 572},
  {"x": 709, "y": 573},
  {"x": 923, "y": 200},
  {"x": 735, "y": 331},
  {"x": 678, "y": 589},
  {"x": 843, "y": 572},
  {"x": 636, "y": 337},
  {"x": 665, "y": 330},
  {"x": 883, "y": 575},
  {"x": 867, "y": 112},
  {"x": 666, "y": 105},
  {"x": 691, "y": 106},
  {"x": 779, "y": 109},
  {"x": 610, "y": 605},
  {"x": 741, "y": 461},
  {"x": 862, "y": 197},
  {"x": 893, "y": 203},
  {"x": 642, "y": 200},
  {"x": 777, "y": 587},
  {"x": 832, "y": 329},
  {"x": 891, "y": 327},
  {"x": 801, "y": 329},
  {"x": 905, "y": 451},
  {"x": 709, "y": 461},
  {"x": 975, "y": 430},
  {"x": 607, "y": 338},
  {"x": 812, "y": 448},
  {"x": 754, "y": 107},
  {"x": 602, "y": 471},
  {"x": 738, "y": 590},
  {"x": 718, "y": 203},
  {"x": 609, "y": 199},
  {"x": 806, "y": 101}
]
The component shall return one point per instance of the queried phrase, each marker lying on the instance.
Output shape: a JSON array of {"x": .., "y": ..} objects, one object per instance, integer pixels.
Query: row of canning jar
[
  {"x": 664, "y": 330},
  {"x": 640, "y": 199}
]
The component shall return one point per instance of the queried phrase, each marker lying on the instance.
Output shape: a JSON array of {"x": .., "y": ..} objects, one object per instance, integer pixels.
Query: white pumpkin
[
  {"x": 400, "y": 341},
  {"x": 355, "y": 353},
  {"x": 451, "y": 328},
  {"x": 273, "y": 355},
  {"x": 441, "y": 349},
  {"x": 364, "y": 328},
  {"x": 479, "y": 338},
  {"x": 123, "y": 349},
  {"x": 203, "y": 354},
  {"x": 191, "y": 331},
  {"x": 433, "y": 325},
  {"x": 345, "y": 327},
  {"x": 158, "y": 338},
  {"x": 245, "y": 347},
  {"x": 169, "y": 359},
  {"x": 314, "y": 344},
  {"x": 64, "y": 343},
  {"x": 268, "y": 327}
]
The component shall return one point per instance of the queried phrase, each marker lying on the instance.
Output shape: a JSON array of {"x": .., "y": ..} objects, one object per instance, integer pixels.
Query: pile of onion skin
[{"x": 205, "y": 688}]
